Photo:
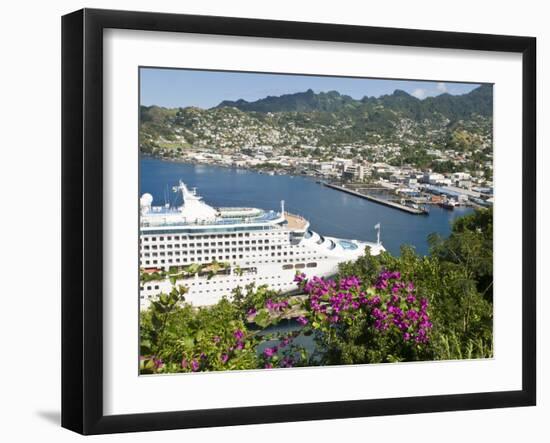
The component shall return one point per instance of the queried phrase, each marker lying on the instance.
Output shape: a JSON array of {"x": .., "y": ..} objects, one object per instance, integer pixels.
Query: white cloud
[
  {"x": 419, "y": 93},
  {"x": 441, "y": 87}
]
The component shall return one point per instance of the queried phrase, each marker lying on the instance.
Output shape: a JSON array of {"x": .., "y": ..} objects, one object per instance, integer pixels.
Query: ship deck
[
  {"x": 157, "y": 217},
  {"x": 295, "y": 221}
]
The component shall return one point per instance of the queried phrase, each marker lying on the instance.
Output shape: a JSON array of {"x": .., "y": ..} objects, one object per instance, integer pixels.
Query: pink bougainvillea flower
[{"x": 270, "y": 352}]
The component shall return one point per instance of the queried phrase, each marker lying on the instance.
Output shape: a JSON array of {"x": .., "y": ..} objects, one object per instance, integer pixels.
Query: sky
[{"x": 172, "y": 88}]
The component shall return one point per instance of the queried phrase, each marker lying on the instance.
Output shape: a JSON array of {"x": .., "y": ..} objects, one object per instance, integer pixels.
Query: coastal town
[
  {"x": 393, "y": 149},
  {"x": 405, "y": 184}
]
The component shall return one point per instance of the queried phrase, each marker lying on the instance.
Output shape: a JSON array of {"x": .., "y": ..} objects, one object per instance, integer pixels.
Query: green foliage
[
  {"x": 357, "y": 342},
  {"x": 183, "y": 272},
  {"x": 176, "y": 337},
  {"x": 453, "y": 107},
  {"x": 299, "y": 102},
  {"x": 250, "y": 299},
  {"x": 469, "y": 248},
  {"x": 457, "y": 280},
  {"x": 145, "y": 277}
]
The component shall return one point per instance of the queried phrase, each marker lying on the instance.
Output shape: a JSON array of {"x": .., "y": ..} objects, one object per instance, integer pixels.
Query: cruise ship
[{"x": 212, "y": 251}]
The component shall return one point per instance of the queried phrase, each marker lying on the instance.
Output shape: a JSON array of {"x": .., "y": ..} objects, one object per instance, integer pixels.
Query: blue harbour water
[{"x": 329, "y": 211}]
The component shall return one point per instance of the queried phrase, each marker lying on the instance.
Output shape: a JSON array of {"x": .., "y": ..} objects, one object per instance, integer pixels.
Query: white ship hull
[
  {"x": 203, "y": 291},
  {"x": 264, "y": 248}
]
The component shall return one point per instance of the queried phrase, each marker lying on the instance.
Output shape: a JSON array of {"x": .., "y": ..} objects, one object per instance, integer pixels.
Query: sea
[{"x": 329, "y": 211}]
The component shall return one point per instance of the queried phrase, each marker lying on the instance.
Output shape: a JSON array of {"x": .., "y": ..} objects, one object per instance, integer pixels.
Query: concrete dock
[{"x": 381, "y": 201}]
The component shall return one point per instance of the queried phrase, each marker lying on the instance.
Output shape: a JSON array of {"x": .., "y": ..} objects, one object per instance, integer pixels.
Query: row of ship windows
[
  {"x": 234, "y": 280},
  {"x": 215, "y": 290},
  {"x": 208, "y": 259},
  {"x": 147, "y": 255},
  {"x": 226, "y": 243},
  {"x": 203, "y": 237},
  {"x": 210, "y": 251},
  {"x": 220, "y": 290},
  {"x": 234, "y": 257},
  {"x": 193, "y": 237},
  {"x": 221, "y": 251},
  {"x": 289, "y": 260},
  {"x": 191, "y": 260},
  {"x": 300, "y": 266},
  {"x": 274, "y": 244},
  {"x": 192, "y": 245},
  {"x": 198, "y": 245}
]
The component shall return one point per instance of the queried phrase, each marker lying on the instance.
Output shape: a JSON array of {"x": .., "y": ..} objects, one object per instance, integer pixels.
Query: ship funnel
[{"x": 145, "y": 203}]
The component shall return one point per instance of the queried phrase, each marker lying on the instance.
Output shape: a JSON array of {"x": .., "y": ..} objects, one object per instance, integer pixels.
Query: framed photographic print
[{"x": 270, "y": 221}]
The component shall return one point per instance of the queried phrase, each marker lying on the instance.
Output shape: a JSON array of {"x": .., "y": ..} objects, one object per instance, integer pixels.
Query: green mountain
[
  {"x": 479, "y": 101},
  {"x": 462, "y": 122},
  {"x": 307, "y": 101}
]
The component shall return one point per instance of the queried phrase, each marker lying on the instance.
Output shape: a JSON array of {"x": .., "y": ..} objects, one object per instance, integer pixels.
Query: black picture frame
[{"x": 82, "y": 218}]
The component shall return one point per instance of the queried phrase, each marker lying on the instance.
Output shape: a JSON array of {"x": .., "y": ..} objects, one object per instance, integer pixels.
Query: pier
[{"x": 381, "y": 201}]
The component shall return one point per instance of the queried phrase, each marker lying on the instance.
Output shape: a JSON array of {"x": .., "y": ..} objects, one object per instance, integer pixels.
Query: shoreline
[
  {"x": 318, "y": 179},
  {"x": 226, "y": 166}
]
